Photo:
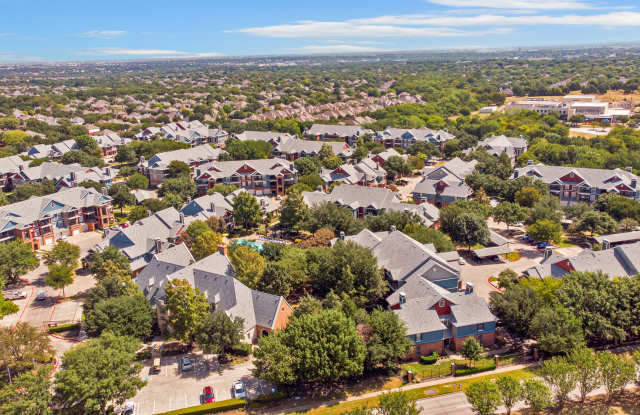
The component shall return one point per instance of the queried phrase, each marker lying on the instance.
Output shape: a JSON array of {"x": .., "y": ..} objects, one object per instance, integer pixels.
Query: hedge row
[
  {"x": 63, "y": 327},
  {"x": 477, "y": 369},
  {"x": 429, "y": 360},
  {"x": 210, "y": 408}
]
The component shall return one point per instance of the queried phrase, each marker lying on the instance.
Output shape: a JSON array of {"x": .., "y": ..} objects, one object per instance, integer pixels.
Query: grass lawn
[
  {"x": 419, "y": 393},
  {"x": 443, "y": 367},
  {"x": 512, "y": 256},
  {"x": 477, "y": 246},
  {"x": 565, "y": 243},
  {"x": 625, "y": 404}
]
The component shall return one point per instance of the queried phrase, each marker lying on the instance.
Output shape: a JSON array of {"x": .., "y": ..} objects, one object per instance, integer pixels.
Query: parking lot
[{"x": 172, "y": 388}]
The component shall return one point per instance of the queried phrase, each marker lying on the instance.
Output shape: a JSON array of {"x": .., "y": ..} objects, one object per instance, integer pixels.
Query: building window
[
  {"x": 441, "y": 303},
  {"x": 480, "y": 327}
]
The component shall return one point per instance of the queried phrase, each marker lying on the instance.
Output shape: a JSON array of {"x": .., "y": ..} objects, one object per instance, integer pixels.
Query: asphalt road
[{"x": 450, "y": 404}]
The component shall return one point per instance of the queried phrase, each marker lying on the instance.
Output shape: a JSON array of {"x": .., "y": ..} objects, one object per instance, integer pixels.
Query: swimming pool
[{"x": 255, "y": 245}]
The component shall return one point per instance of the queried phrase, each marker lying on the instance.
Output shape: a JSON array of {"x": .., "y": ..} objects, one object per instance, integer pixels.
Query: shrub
[
  {"x": 63, "y": 327},
  {"x": 242, "y": 349},
  {"x": 477, "y": 369},
  {"x": 429, "y": 360},
  {"x": 210, "y": 408}
]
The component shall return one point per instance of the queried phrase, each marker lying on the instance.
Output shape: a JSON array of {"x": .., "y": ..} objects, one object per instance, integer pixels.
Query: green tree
[
  {"x": 425, "y": 235},
  {"x": 484, "y": 397},
  {"x": 109, "y": 287},
  {"x": 96, "y": 374},
  {"x": 527, "y": 196},
  {"x": 545, "y": 230},
  {"x": 136, "y": 213},
  {"x": 336, "y": 218},
  {"x": 206, "y": 244},
  {"x": 110, "y": 261},
  {"x": 246, "y": 210},
  {"x": 561, "y": 377},
  {"x": 628, "y": 225},
  {"x": 511, "y": 391},
  {"x": 536, "y": 394},
  {"x": 121, "y": 195},
  {"x": 557, "y": 330},
  {"x": 507, "y": 279},
  {"x": 615, "y": 372},
  {"x": 59, "y": 276},
  {"x": 346, "y": 269},
  {"x": 177, "y": 169},
  {"x": 323, "y": 347},
  {"x": 129, "y": 315},
  {"x": 23, "y": 345},
  {"x": 182, "y": 186},
  {"x": 187, "y": 308},
  {"x": 396, "y": 403},
  {"x": 248, "y": 263},
  {"x": 397, "y": 166},
  {"x": 472, "y": 350},
  {"x": 308, "y": 165},
  {"x": 509, "y": 213},
  {"x": 16, "y": 259},
  {"x": 138, "y": 181},
  {"x": 516, "y": 307},
  {"x": 585, "y": 365},
  {"x": 224, "y": 190},
  {"x": 596, "y": 222},
  {"x": 294, "y": 212},
  {"x": 547, "y": 208},
  {"x": 28, "y": 394},
  {"x": 467, "y": 229},
  {"x": 220, "y": 334},
  {"x": 388, "y": 341},
  {"x": 63, "y": 253}
]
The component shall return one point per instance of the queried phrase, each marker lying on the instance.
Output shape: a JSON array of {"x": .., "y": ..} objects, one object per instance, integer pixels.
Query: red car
[{"x": 207, "y": 394}]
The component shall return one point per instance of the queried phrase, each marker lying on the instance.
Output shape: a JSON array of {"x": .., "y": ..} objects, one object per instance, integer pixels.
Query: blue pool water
[{"x": 256, "y": 245}]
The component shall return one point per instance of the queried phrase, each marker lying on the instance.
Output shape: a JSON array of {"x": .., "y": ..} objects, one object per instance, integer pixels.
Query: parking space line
[{"x": 154, "y": 407}]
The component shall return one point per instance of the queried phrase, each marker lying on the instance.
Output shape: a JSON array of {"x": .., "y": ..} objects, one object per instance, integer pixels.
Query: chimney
[
  {"x": 74, "y": 177},
  {"x": 222, "y": 249},
  {"x": 188, "y": 199},
  {"x": 121, "y": 140},
  {"x": 158, "y": 244},
  {"x": 634, "y": 183},
  {"x": 548, "y": 251},
  {"x": 103, "y": 190},
  {"x": 182, "y": 218},
  {"x": 21, "y": 167},
  {"x": 198, "y": 173},
  {"x": 606, "y": 244},
  {"x": 107, "y": 171},
  {"x": 213, "y": 207},
  {"x": 392, "y": 229},
  {"x": 515, "y": 173},
  {"x": 402, "y": 298},
  {"x": 529, "y": 162},
  {"x": 142, "y": 159},
  {"x": 628, "y": 169},
  {"x": 319, "y": 188},
  {"x": 148, "y": 212},
  {"x": 342, "y": 235},
  {"x": 469, "y": 288}
]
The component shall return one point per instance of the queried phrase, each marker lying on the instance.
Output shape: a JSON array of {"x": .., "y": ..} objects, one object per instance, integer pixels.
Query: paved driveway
[
  {"x": 450, "y": 404},
  {"x": 174, "y": 388}
]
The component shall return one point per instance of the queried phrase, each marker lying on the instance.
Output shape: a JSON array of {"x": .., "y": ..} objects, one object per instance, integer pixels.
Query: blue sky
[{"x": 99, "y": 30}]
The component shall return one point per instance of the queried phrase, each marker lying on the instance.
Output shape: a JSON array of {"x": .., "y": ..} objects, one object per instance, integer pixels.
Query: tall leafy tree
[
  {"x": 246, "y": 210},
  {"x": 63, "y": 253},
  {"x": 545, "y": 230},
  {"x": 396, "y": 403},
  {"x": 23, "y": 345},
  {"x": 388, "y": 341},
  {"x": 206, "y": 244},
  {"x": 484, "y": 396},
  {"x": 336, "y": 218},
  {"x": 187, "y": 308},
  {"x": 28, "y": 394},
  {"x": 536, "y": 394},
  {"x": 471, "y": 349},
  {"x": 561, "y": 376},
  {"x": 121, "y": 195},
  {"x": 138, "y": 181},
  {"x": 177, "y": 169},
  {"x": 322, "y": 347},
  {"x": 615, "y": 372},
  {"x": 294, "y": 212},
  {"x": 219, "y": 333},
  {"x": 182, "y": 186},
  {"x": 596, "y": 222},
  {"x": 557, "y": 330},
  {"x": 96, "y": 374},
  {"x": 467, "y": 229},
  {"x": 110, "y": 261},
  {"x": 59, "y": 276},
  {"x": 248, "y": 263},
  {"x": 129, "y": 315},
  {"x": 511, "y": 391},
  {"x": 585, "y": 365},
  {"x": 16, "y": 259},
  {"x": 509, "y": 213}
]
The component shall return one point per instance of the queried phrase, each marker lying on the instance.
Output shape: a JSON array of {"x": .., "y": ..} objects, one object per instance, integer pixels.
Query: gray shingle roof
[
  {"x": 201, "y": 153},
  {"x": 603, "y": 179}
]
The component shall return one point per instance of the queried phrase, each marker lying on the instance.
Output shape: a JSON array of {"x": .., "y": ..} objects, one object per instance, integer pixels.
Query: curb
[
  {"x": 26, "y": 304},
  {"x": 493, "y": 285}
]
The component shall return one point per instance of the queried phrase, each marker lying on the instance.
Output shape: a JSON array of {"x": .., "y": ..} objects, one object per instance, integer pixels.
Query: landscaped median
[
  {"x": 417, "y": 393},
  {"x": 210, "y": 408}
]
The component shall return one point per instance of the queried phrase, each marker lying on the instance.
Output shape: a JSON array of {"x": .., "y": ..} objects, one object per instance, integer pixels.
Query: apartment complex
[
  {"x": 577, "y": 184},
  {"x": 41, "y": 220},
  {"x": 403, "y": 138},
  {"x": 264, "y": 177},
  {"x": 157, "y": 167},
  {"x": 445, "y": 184}
]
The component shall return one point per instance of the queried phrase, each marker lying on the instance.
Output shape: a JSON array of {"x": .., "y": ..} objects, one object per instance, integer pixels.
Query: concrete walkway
[{"x": 411, "y": 386}]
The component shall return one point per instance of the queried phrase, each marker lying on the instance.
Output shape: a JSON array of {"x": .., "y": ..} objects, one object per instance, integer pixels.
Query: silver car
[
  {"x": 186, "y": 364},
  {"x": 239, "y": 391}
]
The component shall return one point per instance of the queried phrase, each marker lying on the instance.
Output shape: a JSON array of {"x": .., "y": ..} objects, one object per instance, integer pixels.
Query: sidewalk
[{"x": 408, "y": 387}]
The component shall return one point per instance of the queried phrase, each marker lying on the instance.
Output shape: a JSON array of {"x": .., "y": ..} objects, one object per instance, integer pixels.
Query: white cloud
[
  {"x": 103, "y": 34},
  {"x": 607, "y": 19},
  {"x": 339, "y": 48},
  {"x": 112, "y": 51},
  {"x": 516, "y": 4},
  {"x": 352, "y": 29}
]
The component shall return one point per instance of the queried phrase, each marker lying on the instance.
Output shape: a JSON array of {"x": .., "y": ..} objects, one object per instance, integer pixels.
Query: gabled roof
[
  {"x": 200, "y": 154},
  {"x": 12, "y": 164},
  {"x": 265, "y": 167},
  {"x": 201, "y": 208},
  {"x": 419, "y": 134},
  {"x": 269, "y": 136},
  {"x": 455, "y": 167},
  {"x": 601, "y": 178},
  {"x": 335, "y": 130}
]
